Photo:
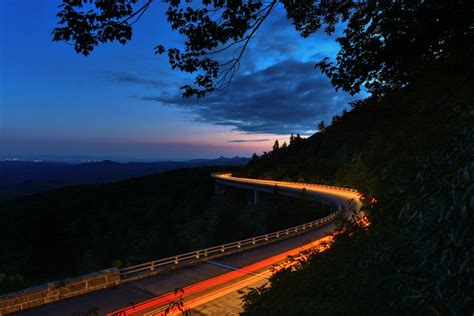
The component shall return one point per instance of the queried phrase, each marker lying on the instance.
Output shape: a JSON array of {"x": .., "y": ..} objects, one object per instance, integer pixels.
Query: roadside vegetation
[{"x": 413, "y": 151}]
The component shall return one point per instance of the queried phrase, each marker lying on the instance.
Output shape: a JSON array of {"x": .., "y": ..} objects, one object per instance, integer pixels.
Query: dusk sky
[{"x": 124, "y": 102}]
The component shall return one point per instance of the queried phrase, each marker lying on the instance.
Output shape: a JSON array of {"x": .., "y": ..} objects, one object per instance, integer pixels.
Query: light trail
[
  {"x": 336, "y": 193},
  {"x": 208, "y": 290},
  {"x": 293, "y": 185}
]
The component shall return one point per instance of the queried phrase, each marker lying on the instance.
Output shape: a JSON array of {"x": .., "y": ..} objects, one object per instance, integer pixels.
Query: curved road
[
  {"x": 211, "y": 287},
  {"x": 196, "y": 296},
  {"x": 340, "y": 198}
]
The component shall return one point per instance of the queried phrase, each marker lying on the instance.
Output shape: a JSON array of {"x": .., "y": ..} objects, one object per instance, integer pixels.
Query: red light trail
[{"x": 205, "y": 291}]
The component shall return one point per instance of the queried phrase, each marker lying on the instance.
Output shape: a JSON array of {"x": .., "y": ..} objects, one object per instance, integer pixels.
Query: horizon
[{"x": 88, "y": 159}]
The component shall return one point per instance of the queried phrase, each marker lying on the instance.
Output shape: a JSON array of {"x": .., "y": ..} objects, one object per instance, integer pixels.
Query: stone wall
[{"x": 59, "y": 290}]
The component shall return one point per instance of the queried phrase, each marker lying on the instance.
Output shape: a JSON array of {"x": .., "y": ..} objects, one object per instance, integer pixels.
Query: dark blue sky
[{"x": 123, "y": 102}]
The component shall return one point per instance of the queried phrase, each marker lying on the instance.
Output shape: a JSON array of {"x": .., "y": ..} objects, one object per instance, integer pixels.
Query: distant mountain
[
  {"x": 221, "y": 161},
  {"x": 18, "y": 178}
]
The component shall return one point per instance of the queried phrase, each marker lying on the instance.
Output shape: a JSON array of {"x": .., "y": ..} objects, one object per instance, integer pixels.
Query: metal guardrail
[
  {"x": 153, "y": 267},
  {"x": 282, "y": 183}
]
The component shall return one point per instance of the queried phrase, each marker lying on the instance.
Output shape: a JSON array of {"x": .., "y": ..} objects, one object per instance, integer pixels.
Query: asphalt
[{"x": 112, "y": 299}]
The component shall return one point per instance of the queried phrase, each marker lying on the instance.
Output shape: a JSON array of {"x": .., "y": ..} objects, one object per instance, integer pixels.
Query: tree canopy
[{"x": 383, "y": 46}]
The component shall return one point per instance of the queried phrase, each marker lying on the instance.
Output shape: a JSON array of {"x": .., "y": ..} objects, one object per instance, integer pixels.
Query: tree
[
  {"x": 321, "y": 127},
  {"x": 385, "y": 44},
  {"x": 254, "y": 160},
  {"x": 276, "y": 146},
  {"x": 298, "y": 139}
]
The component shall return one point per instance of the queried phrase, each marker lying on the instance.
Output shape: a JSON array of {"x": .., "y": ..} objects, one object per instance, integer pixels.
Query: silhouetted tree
[
  {"x": 321, "y": 127},
  {"x": 383, "y": 46},
  {"x": 255, "y": 159},
  {"x": 292, "y": 138},
  {"x": 335, "y": 119},
  {"x": 276, "y": 145},
  {"x": 297, "y": 140}
]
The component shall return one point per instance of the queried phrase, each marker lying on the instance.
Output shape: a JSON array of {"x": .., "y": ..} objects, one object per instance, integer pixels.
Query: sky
[{"x": 122, "y": 102}]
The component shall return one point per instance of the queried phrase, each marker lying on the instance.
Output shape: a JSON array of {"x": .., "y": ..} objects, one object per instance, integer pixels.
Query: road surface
[
  {"x": 113, "y": 299},
  {"x": 214, "y": 288}
]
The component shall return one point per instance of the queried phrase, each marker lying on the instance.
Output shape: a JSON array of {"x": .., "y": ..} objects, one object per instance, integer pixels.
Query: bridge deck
[{"x": 338, "y": 197}]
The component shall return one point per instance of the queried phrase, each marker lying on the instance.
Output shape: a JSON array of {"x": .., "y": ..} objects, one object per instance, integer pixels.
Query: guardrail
[
  {"x": 219, "y": 175},
  {"x": 154, "y": 267}
]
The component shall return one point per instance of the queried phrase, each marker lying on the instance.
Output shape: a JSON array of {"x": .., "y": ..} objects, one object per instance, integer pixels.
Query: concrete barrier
[{"x": 59, "y": 290}]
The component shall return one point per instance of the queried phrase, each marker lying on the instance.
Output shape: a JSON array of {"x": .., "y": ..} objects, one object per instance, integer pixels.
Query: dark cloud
[
  {"x": 131, "y": 78},
  {"x": 248, "y": 140},
  {"x": 278, "y": 40},
  {"x": 288, "y": 97}
]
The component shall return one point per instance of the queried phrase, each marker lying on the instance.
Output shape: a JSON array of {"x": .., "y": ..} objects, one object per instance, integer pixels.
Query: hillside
[
  {"x": 80, "y": 229},
  {"x": 412, "y": 151}
]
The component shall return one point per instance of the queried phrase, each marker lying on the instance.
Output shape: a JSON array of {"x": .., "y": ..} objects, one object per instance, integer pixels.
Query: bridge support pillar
[
  {"x": 253, "y": 197},
  {"x": 256, "y": 197},
  {"x": 219, "y": 189}
]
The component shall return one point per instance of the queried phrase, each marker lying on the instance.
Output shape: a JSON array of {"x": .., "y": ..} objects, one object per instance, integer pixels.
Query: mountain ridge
[{"x": 19, "y": 178}]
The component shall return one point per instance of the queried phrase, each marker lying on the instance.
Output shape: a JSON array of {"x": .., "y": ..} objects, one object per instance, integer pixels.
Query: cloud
[
  {"x": 287, "y": 97},
  {"x": 278, "y": 40},
  {"x": 277, "y": 90},
  {"x": 248, "y": 140},
  {"x": 131, "y": 78}
]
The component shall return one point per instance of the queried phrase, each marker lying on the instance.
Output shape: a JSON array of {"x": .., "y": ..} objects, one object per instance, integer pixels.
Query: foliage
[
  {"x": 384, "y": 46},
  {"x": 210, "y": 29},
  {"x": 177, "y": 306},
  {"x": 440, "y": 217},
  {"x": 109, "y": 21},
  {"x": 417, "y": 158},
  {"x": 12, "y": 282}
]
